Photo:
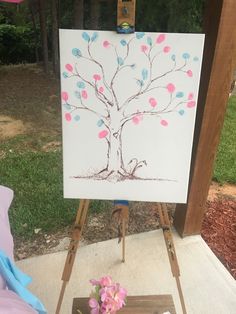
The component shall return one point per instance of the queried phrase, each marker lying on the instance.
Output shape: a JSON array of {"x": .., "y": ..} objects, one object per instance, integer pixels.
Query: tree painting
[{"x": 122, "y": 81}]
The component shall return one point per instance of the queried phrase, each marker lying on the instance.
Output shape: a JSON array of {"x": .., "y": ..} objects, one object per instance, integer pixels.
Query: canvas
[{"x": 128, "y": 113}]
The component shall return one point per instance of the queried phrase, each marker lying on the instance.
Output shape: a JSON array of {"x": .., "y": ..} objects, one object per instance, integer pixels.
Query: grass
[
  {"x": 36, "y": 178},
  {"x": 225, "y": 164}
]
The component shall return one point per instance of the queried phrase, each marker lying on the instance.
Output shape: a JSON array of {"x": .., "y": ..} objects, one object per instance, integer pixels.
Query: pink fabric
[
  {"x": 12, "y": 1},
  {"x": 6, "y": 240},
  {"x": 11, "y": 303}
]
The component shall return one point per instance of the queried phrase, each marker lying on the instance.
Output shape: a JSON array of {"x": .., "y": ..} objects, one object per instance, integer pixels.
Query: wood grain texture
[
  {"x": 217, "y": 71},
  {"x": 135, "y": 305}
]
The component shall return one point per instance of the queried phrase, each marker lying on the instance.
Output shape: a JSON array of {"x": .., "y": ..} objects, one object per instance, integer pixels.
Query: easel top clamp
[{"x": 126, "y": 16}]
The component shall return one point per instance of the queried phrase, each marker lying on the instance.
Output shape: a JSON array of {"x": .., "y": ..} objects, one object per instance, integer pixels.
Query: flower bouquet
[{"x": 108, "y": 297}]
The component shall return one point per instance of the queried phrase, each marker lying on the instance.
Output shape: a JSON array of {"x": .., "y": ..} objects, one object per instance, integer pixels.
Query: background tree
[
  {"x": 44, "y": 38},
  {"x": 55, "y": 36}
]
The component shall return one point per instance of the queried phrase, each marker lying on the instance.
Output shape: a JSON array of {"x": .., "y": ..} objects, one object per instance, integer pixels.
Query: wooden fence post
[{"x": 217, "y": 71}]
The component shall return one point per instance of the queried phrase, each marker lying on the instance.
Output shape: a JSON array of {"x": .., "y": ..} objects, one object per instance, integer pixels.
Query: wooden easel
[{"x": 125, "y": 15}]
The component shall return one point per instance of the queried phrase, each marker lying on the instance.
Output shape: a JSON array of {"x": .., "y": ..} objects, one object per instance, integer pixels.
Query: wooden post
[{"x": 217, "y": 70}]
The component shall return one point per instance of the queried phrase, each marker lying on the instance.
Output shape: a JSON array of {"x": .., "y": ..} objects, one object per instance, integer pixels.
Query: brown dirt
[{"x": 10, "y": 127}]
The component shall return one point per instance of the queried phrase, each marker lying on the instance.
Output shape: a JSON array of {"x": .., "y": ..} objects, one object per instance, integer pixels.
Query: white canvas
[{"x": 128, "y": 111}]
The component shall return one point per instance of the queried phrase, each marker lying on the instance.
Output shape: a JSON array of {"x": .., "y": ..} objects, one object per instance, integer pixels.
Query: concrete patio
[{"x": 207, "y": 286}]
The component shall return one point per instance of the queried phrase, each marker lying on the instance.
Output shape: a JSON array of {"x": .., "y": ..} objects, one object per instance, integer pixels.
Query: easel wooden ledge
[{"x": 125, "y": 16}]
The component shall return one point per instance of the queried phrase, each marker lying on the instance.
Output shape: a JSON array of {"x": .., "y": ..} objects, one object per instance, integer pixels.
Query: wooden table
[{"x": 155, "y": 304}]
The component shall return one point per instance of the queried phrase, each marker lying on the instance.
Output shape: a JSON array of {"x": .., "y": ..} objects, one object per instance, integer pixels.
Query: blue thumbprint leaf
[
  {"x": 186, "y": 55},
  {"x": 181, "y": 112},
  {"x": 149, "y": 41},
  {"x": 195, "y": 59},
  {"x": 77, "y": 94},
  {"x": 123, "y": 42},
  {"x": 145, "y": 74},
  {"x": 65, "y": 74},
  {"x": 100, "y": 123},
  {"x": 94, "y": 36},
  {"x": 67, "y": 106},
  {"x": 173, "y": 57},
  {"x": 77, "y": 118},
  {"x": 179, "y": 94},
  {"x": 76, "y": 52},
  {"x": 140, "y": 35},
  {"x": 120, "y": 61},
  {"x": 86, "y": 36},
  {"x": 81, "y": 85}
]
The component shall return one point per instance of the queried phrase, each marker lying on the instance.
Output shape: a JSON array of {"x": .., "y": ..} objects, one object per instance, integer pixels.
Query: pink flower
[
  {"x": 144, "y": 48},
  {"x": 153, "y": 102},
  {"x": 84, "y": 94},
  {"x": 166, "y": 49},
  {"x": 106, "y": 44},
  {"x": 171, "y": 88},
  {"x": 64, "y": 96},
  {"x": 108, "y": 297},
  {"x": 94, "y": 305},
  {"x": 68, "y": 117},
  {"x": 101, "y": 90},
  {"x": 97, "y": 77},
  {"x": 164, "y": 123},
  {"x": 189, "y": 73},
  {"x": 103, "y": 134},
  {"x": 191, "y": 104},
  {"x": 105, "y": 281},
  {"x": 160, "y": 38},
  {"x": 69, "y": 67},
  {"x": 190, "y": 96}
]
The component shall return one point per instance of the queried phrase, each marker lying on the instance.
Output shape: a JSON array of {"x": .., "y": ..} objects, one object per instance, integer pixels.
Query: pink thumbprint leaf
[
  {"x": 171, "y": 88},
  {"x": 190, "y": 96},
  {"x": 164, "y": 123},
  {"x": 68, "y": 117},
  {"x": 64, "y": 96},
  {"x": 84, "y": 94},
  {"x": 69, "y": 67},
  {"x": 106, "y": 44},
  {"x": 138, "y": 118},
  {"x": 191, "y": 104},
  {"x": 189, "y": 73},
  {"x": 101, "y": 90},
  {"x": 103, "y": 134},
  {"x": 160, "y": 38},
  {"x": 153, "y": 102},
  {"x": 144, "y": 48},
  {"x": 166, "y": 49},
  {"x": 97, "y": 77}
]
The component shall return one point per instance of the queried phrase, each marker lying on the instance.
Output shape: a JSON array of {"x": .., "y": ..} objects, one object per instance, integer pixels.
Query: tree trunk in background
[
  {"x": 55, "y": 38},
  {"x": 94, "y": 14},
  {"x": 43, "y": 27},
  {"x": 79, "y": 14},
  {"x": 32, "y": 12}
]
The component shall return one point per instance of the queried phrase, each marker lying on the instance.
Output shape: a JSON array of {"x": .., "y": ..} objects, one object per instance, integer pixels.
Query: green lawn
[
  {"x": 225, "y": 165},
  {"x": 36, "y": 178}
]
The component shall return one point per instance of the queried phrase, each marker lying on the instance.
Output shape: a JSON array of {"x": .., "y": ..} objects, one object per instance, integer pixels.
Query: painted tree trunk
[{"x": 115, "y": 155}]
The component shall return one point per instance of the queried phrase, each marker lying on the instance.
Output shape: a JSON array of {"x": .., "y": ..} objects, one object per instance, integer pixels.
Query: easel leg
[
  {"x": 77, "y": 231},
  {"x": 123, "y": 239},
  {"x": 166, "y": 227}
]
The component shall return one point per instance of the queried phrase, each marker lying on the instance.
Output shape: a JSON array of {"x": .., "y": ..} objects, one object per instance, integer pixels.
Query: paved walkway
[{"x": 207, "y": 285}]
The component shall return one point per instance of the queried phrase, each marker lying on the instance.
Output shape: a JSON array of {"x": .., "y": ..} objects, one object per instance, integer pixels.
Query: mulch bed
[{"x": 219, "y": 231}]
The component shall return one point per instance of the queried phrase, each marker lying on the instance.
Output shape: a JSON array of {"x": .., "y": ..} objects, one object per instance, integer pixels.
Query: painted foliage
[{"x": 128, "y": 107}]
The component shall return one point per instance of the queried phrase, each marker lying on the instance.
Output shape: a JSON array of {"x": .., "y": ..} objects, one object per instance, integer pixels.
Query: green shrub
[{"x": 17, "y": 44}]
